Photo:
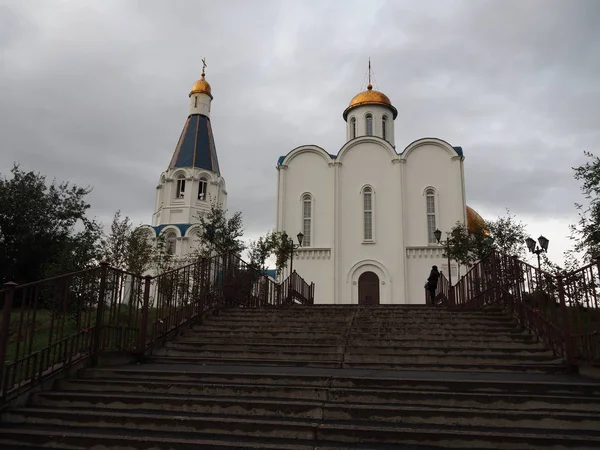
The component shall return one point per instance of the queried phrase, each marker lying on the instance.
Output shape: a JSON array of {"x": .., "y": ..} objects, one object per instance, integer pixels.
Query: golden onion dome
[
  {"x": 475, "y": 223},
  {"x": 370, "y": 97},
  {"x": 201, "y": 87}
]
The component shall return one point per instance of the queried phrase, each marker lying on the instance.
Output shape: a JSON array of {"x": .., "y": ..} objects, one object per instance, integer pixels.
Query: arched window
[
  {"x": 353, "y": 127},
  {"x": 195, "y": 101},
  {"x": 431, "y": 226},
  {"x": 202, "y": 186},
  {"x": 384, "y": 127},
  {"x": 306, "y": 220},
  {"x": 170, "y": 242},
  {"x": 180, "y": 188},
  {"x": 369, "y": 118},
  {"x": 367, "y": 214}
]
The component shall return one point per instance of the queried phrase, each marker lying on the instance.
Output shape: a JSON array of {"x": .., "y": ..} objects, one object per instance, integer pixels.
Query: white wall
[
  {"x": 429, "y": 163},
  {"x": 372, "y": 162}
]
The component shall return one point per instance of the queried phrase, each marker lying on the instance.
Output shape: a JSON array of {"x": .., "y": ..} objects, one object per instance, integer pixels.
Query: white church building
[{"x": 368, "y": 212}]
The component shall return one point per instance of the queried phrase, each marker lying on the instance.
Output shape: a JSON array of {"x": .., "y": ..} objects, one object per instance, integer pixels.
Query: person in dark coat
[{"x": 432, "y": 283}]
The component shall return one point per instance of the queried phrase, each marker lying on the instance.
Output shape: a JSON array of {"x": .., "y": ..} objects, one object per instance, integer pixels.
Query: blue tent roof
[{"x": 196, "y": 146}]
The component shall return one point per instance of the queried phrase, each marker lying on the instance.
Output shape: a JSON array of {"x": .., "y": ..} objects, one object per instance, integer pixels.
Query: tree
[
  {"x": 274, "y": 243},
  {"x": 127, "y": 248},
  {"x": 218, "y": 234},
  {"x": 43, "y": 227},
  {"x": 508, "y": 235},
  {"x": 504, "y": 235},
  {"x": 586, "y": 233}
]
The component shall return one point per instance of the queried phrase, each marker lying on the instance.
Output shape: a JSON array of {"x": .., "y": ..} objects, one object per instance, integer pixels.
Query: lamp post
[
  {"x": 438, "y": 235},
  {"x": 533, "y": 247},
  {"x": 293, "y": 246}
]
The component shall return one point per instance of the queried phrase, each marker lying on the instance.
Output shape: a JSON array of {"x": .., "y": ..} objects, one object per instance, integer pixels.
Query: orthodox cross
[{"x": 204, "y": 66}]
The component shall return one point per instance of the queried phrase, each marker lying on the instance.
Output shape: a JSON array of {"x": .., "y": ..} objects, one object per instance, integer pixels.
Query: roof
[
  {"x": 458, "y": 150},
  {"x": 196, "y": 146}
]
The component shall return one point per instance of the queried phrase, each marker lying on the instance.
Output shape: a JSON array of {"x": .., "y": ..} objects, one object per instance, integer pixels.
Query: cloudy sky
[{"x": 95, "y": 92}]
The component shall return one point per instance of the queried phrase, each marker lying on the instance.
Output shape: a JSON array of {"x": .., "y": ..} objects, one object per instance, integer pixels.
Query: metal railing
[
  {"x": 50, "y": 325},
  {"x": 562, "y": 310}
]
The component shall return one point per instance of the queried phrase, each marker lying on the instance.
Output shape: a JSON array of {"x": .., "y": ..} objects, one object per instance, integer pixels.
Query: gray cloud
[{"x": 96, "y": 92}]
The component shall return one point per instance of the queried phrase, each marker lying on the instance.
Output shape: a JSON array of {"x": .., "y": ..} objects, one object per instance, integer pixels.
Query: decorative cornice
[{"x": 313, "y": 253}]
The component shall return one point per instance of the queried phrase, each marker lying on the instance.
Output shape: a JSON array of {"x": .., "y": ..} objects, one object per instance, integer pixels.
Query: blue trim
[{"x": 183, "y": 227}]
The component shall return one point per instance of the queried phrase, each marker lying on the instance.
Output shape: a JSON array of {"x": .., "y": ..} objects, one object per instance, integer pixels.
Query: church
[
  {"x": 367, "y": 213},
  {"x": 192, "y": 179}
]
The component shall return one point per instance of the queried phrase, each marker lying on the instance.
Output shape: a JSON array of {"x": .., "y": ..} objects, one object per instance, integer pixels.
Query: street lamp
[
  {"x": 300, "y": 238},
  {"x": 533, "y": 248},
  {"x": 438, "y": 235}
]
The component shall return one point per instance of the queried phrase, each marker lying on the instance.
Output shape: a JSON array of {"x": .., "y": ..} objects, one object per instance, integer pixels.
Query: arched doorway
[{"x": 368, "y": 289}]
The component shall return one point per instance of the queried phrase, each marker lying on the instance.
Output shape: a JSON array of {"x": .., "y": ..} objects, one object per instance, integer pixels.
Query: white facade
[{"x": 370, "y": 209}]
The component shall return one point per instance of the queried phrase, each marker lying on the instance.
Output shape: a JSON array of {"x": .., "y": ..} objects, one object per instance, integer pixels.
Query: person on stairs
[{"x": 432, "y": 283}]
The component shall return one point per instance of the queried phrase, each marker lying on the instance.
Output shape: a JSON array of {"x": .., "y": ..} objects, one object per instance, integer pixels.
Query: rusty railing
[
  {"x": 50, "y": 325},
  {"x": 562, "y": 310}
]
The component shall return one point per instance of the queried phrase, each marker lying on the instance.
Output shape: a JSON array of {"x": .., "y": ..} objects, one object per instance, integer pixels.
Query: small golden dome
[
  {"x": 370, "y": 97},
  {"x": 475, "y": 223},
  {"x": 201, "y": 87}
]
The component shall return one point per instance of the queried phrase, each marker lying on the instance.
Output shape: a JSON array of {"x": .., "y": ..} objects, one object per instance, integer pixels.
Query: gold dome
[
  {"x": 475, "y": 223},
  {"x": 370, "y": 97},
  {"x": 201, "y": 87}
]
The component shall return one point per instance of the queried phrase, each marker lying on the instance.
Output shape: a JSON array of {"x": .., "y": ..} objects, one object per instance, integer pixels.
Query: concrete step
[
  {"x": 327, "y": 437},
  {"x": 364, "y": 354},
  {"x": 433, "y": 364},
  {"x": 427, "y": 396},
  {"x": 462, "y": 366},
  {"x": 68, "y": 438},
  {"x": 265, "y": 425},
  {"x": 453, "y": 383},
  {"x": 535, "y": 352},
  {"x": 334, "y": 362},
  {"x": 387, "y": 347},
  {"x": 272, "y": 346},
  {"x": 282, "y": 353}
]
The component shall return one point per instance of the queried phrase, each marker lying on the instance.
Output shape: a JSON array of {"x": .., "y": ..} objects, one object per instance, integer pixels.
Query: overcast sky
[{"x": 96, "y": 92}]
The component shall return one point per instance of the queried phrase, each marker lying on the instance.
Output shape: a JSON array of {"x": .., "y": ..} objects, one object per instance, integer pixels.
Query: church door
[{"x": 368, "y": 289}]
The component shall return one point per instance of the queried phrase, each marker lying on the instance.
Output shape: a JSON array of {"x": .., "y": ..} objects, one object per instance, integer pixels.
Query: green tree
[
  {"x": 508, "y": 235},
  {"x": 127, "y": 248},
  {"x": 43, "y": 227},
  {"x": 586, "y": 233},
  {"x": 219, "y": 234}
]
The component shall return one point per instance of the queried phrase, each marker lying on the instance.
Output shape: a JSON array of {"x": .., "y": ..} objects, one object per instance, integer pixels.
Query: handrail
[
  {"x": 52, "y": 324},
  {"x": 563, "y": 310}
]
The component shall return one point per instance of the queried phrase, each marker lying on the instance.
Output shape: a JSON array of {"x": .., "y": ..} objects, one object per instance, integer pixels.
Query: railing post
[
  {"x": 6, "y": 310},
  {"x": 141, "y": 347},
  {"x": 312, "y": 293},
  {"x": 97, "y": 338},
  {"x": 566, "y": 326}
]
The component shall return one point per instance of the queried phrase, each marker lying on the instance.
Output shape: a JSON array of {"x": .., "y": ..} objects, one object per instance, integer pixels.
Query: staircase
[{"x": 324, "y": 377}]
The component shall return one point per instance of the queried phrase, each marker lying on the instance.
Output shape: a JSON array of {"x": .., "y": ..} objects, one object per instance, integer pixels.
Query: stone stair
[{"x": 324, "y": 377}]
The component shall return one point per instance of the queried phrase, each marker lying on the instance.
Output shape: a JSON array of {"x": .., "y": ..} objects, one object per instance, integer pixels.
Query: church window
[
  {"x": 306, "y": 220},
  {"x": 431, "y": 225},
  {"x": 195, "y": 101},
  {"x": 202, "y": 189},
  {"x": 180, "y": 191},
  {"x": 368, "y": 214},
  {"x": 171, "y": 240},
  {"x": 353, "y": 127},
  {"x": 384, "y": 127},
  {"x": 369, "y": 118}
]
